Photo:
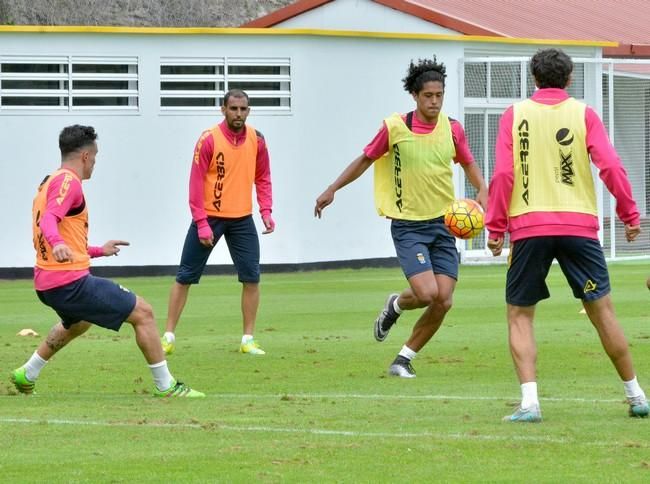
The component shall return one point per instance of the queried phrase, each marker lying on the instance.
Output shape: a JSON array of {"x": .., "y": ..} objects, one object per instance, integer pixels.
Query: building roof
[{"x": 624, "y": 21}]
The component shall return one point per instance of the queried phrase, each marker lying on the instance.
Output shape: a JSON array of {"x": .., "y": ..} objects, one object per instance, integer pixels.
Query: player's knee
[
  {"x": 426, "y": 297},
  {"x": 445, "y": 304}
]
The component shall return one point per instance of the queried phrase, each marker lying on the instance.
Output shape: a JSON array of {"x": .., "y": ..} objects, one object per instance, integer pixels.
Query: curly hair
[
  {"x": 425, "y": 70},
  {"x": 551, "y": 68},
  {"x": 73, "y": 138}
]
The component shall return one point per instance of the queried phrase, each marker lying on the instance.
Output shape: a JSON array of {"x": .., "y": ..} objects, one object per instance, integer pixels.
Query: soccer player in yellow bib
[
  {"x": 412, "y": 155},
  {"x": 543, "y": 194}
]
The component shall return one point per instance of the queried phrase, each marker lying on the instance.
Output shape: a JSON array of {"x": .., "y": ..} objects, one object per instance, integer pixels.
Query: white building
[{"x": 319, "y": 97}]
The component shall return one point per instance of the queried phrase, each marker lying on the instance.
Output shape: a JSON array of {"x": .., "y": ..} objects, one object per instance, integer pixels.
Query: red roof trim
[
  {"x": 628, "y": 50},
  {"x": 439, "y": 18},
  {"x": 285, "y": 13}
]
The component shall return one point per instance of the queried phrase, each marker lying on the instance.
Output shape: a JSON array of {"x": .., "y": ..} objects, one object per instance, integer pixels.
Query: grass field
[{"x": 319, "y": 406}]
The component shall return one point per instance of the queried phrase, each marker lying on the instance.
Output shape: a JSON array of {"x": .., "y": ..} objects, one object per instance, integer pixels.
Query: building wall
[{"x": 342, "y": 88}]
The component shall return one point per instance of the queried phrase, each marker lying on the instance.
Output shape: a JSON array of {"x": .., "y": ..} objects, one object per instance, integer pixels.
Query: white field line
[
  {"x": 361, "y": 396},
  {"x": 326, "y": 432}
]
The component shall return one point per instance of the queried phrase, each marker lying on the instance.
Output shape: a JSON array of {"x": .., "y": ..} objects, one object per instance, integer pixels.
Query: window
[
  {"x": 200, "y": 83},
  {"x": 68, "y": 83}
]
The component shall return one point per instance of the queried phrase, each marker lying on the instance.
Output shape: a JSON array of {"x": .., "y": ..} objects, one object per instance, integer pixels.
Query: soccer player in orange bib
[
  {"x": 62, "y": 278},
  {"x": 543, "y": 193},
  {"x": 412, "y": 156},
  {"x": 228, "y": 159}
]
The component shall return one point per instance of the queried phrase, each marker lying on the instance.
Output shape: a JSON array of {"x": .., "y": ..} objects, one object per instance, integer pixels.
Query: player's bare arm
[
  {"x": 353, "y": 171},
  {"x": 473, "y": 174}
]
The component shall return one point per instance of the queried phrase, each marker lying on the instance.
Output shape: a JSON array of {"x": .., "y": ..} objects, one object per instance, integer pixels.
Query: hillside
[{"x": 136, "y": 13}]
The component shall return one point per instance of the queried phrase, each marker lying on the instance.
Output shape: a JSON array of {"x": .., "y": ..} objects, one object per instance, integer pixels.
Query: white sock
[
  {"x": 246, "y": 338},
  {"x": 632, "y": 388},
  {"x": 396, "y": 307},
  {"x": 170, "y": 337},
  {"x": 529, "y": 395},
  {"x": 162, "y": 378},
  {"x": 407, "y": 352},
  {"x": 34, "y": 366}
]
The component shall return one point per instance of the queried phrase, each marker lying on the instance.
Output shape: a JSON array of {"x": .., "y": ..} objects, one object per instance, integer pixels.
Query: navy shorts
[
  {"x": 425, "y": 245},
  {"x": 92, "y": 299},
  {"x": 243, "y": 245},
  {"x": 581, "y": 259}
]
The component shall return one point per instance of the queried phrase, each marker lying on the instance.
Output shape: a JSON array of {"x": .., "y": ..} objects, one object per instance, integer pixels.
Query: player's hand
[
  {"x": 206, "y": 236},
  {"x": 62, "y": 253},
  {"x": 323, "y": 201},
  {"x": 112, "y": 247},
  {"x": 632, "y": 232},
  {"x": 496, "y": 246},
  {"x": 269, "y": 224}
]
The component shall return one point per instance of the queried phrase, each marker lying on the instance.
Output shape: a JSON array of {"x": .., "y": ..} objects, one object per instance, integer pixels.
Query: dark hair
[
  {"x": 73, "y": 138},
  {"x": 425, "y": 70},
  {"x": 234, "y": 93},
  {"x": 551, "y": 68}
]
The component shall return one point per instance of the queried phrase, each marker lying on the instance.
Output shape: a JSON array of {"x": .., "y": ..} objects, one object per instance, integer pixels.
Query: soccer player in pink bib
[
  {"x": 62, "y": 277},
  {"x": 543, "y": 194}
]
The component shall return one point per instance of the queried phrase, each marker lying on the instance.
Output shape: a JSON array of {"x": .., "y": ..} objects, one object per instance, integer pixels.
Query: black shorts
[
  {"x": 581, "y": 259},
  {"x": 243, "y": 244},
  {"x": 425, "y": 245},
  {"x": 92, "y": 299}
]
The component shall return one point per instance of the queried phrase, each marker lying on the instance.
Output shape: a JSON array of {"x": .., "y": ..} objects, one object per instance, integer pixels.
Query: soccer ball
[{"x": 464, "y": 218}]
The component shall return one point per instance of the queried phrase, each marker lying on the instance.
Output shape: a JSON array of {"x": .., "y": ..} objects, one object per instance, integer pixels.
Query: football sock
[
  {"x": 246, "y": 338},
  {"x": 170, "y": 337},
  {"x": 396, "y": 307},
  {"x": 632, "y": 388},
  {"x": 162, "y": 378},
  {"x": 529, "y": 394},
  {"x": 407, "y": 352},
  {"x": 34, "y": 366}
]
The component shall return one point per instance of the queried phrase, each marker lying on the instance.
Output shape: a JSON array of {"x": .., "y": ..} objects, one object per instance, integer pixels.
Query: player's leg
[
  {"x": 583, "y": 263},
  {"x": 601, "y": 314},
  {"x": 410, "y": 240},
  {"x": 431, "y": 320},
  {"x": 193, "y": 260},
  {"x": 142, "y": 319},
  {"x": 530, "y": 261},
  {"x": 244, "y": 246},
  {"x": 429, "y": 246},
  {"x": 24, "y": 378},
  {"x": 523, "y": 349}
]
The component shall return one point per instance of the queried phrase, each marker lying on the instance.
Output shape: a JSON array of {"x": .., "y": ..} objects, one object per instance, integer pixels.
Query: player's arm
[
  {"x": 373, "y": 151},
  {"x": 64, "y": 195},
  {"x": 200, "y": 163},
  {"x": 613, "y": 173},
  {"x": 108, "y": 249},
  {"x": 353, "y": 171},
  {"x": 263, "y": 186},
  {"x": 500, "y": 190},
  {"x": 466, "y": 159}
]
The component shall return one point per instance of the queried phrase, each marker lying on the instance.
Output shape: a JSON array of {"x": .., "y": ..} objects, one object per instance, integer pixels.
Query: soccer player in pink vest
[
  {"x": 62, "y": 277},
  {"x": 543, "y": 194},
  {"x": 412, "y": 155}
]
